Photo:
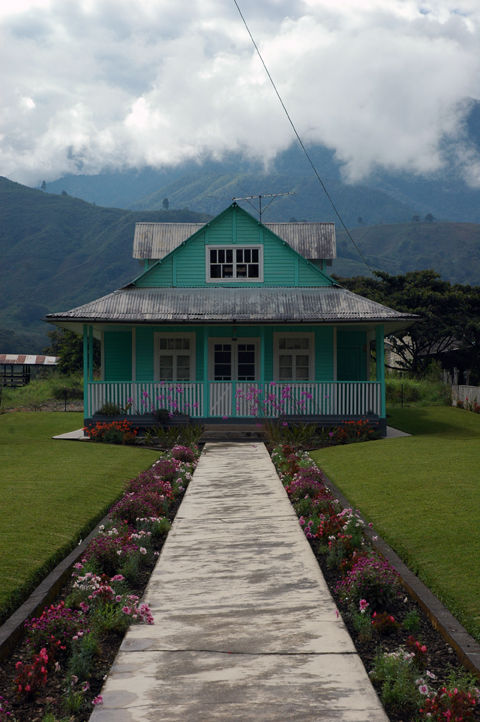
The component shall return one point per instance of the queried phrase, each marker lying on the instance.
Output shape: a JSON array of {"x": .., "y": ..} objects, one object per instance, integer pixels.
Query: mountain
[
  {"x": 451, "y": 249},
  {"x": 210, "y": 186},
  {"x": 58, "y": 252}
]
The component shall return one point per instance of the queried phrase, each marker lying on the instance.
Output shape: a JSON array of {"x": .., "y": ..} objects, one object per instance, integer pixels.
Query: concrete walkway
[{"x": 245, "y": 627}]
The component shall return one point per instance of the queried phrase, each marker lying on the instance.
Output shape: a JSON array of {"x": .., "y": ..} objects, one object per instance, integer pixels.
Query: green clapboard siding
[
  {"x": 351, "y": 355},
  {"x": 117, "y": 355},
  {"x": 186, "y": 265},
  {"x": 160, "y": 275}
]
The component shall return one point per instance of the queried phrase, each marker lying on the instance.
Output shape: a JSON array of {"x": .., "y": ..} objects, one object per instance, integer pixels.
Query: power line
[{"x": 307, "y": 155}]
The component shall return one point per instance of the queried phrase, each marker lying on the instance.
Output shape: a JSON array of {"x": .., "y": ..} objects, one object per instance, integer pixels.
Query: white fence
[{"x": 465, "y": 394}]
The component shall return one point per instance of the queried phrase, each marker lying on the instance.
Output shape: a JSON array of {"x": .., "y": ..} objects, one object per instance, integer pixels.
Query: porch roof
[{"x": 328, "y": 304}]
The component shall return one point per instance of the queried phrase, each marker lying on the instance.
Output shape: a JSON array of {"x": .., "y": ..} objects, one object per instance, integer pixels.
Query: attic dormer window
[{"x": 234, "y": 263}]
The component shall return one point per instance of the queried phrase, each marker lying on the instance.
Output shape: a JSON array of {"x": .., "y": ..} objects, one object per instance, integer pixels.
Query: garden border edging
[
  {"x": 11, "y": 630},
  {"x": 465, "y": 646}
]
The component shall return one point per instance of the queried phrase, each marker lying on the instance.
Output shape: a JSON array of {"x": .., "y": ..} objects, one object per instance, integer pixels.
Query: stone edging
[{"x": 465, "y": 646}]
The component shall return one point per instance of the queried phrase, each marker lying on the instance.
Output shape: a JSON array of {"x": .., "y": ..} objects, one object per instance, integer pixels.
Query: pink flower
[
  {"x": 97, "y": 700},
  {"x": 363, "y": 605}
]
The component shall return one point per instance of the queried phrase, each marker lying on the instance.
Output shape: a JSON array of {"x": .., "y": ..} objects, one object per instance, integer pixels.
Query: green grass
[
  {"x": 422, "y": 494},
  {"x": 43, "y": 390},
  {"x": 52, "y": 492},
  {"x": 409, "y": 391}
]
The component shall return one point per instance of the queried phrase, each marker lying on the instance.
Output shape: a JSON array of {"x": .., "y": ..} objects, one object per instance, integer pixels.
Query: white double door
[{"x": 230, "y": 360}]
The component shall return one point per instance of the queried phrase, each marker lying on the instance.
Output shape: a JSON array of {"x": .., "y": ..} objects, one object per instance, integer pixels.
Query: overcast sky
[{"x": 92, "y": 84}]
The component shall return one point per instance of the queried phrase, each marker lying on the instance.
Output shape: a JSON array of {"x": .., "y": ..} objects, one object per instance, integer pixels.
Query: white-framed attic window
[{"x": 234, "y": 263}]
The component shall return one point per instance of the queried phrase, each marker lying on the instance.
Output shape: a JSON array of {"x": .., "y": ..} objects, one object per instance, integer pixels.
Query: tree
[
  {"x": 449, "y": 315},
  {"x": 69, "y": 347},
  {"x": 43, "y": 186},
  {"x": 165, "y": 204}
]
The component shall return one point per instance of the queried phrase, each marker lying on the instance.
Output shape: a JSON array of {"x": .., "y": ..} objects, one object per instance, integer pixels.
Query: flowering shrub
[
  {"x": 384, "y": 623},
  {"x": 183, "y": 453},
  {"x": 31, "y": 677},
  {"x": 107, "y": 551},
  {"x": 455, "y": 705},
  {"x": 6, "y": 714},
  {"x": 396, "y": 677},
  {"x": 113, "y": 432},
  {"x": 141, "y": 503},
  {"x": 166, "y": 469},
  {"x": 352, "y": 431},
  {"x": 55, "y": 628},
  {"x": 370, "y": 578},
  {"x": 418, "y": 650}
]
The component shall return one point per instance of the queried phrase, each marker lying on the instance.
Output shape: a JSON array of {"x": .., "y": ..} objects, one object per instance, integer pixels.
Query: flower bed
[
  {"x": 58, "y": 670},
  {"x": 415, "y": 672}
]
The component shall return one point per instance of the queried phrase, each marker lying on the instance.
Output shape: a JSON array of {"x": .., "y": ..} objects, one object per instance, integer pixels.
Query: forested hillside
[
  {"x": 58, "y": 252},
  {"x": 451, "y": 249}
]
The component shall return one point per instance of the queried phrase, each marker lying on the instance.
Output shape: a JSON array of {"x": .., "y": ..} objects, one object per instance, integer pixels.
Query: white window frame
[
  {"x": 311, "y": 355},
  {"x": 234, "y": 247},
  {"x": 177, "y": 334}
]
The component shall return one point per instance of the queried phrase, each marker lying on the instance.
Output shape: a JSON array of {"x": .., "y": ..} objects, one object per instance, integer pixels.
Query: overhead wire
[{"x": 302, "y": 145}]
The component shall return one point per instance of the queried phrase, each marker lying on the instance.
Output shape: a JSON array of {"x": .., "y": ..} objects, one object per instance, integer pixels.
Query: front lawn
[
  {"x": 422, "y": 494},
  {"x": 52, "y": 491}
]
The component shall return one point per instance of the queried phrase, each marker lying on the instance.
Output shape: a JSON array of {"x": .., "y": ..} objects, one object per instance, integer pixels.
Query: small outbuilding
[{"x": 16, "y": 369}]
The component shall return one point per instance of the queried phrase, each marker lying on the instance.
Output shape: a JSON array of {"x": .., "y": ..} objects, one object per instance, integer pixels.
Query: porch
[{"x": 223, "y": 400}]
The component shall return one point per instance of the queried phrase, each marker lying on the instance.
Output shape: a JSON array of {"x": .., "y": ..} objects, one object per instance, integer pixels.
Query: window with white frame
[
  {"x": 234, "y": 263},
  {"x": 294, "y": 357},
  {"x": 175, "y": 357}
]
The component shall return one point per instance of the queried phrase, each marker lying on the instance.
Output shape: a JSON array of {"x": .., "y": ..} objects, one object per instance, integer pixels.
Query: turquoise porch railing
[{"x": 241, "y": 399}]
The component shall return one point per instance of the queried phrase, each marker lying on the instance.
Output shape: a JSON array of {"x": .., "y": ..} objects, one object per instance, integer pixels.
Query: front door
[{"x": 229, "y": 360}]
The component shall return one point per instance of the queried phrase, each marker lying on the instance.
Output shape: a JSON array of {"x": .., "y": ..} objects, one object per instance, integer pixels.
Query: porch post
[
  {"x": 380, "y": 367},
  {"x": 85, "y": 372},
  {"x": 206, "y": 390},
  {"x": 90, "y": 353},
  {"x": 262, "y": 369}
]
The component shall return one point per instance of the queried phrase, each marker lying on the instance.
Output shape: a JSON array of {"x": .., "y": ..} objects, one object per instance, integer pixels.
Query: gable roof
[
  {"x": 313, "y": 241},
  {"x": 323, "y": 304}
]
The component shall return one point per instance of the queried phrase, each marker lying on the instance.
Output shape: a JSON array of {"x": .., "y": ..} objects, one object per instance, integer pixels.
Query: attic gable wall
[{"x": 186, "y": 265}]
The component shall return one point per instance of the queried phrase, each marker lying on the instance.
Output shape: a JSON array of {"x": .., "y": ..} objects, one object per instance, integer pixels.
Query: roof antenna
[{"x": 265, "y": 195}]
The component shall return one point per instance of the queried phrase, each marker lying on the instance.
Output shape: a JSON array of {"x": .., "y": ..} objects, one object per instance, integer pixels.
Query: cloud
[{"x": 96, "y": 84}]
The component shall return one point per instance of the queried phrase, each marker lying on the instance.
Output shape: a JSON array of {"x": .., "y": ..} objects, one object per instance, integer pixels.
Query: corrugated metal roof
[
  {"x": 311, "y": 240},
  {"x": 155, "y": 240},
  {"x": 27, "y": 359},
  {"x": 210, "y": 305}
]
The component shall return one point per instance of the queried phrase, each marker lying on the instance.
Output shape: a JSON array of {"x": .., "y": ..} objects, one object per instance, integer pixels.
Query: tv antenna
[{"x": 258, "y": 208}]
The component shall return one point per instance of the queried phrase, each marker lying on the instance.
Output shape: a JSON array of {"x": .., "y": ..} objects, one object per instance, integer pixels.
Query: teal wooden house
[{"x": 236, "y": 319}]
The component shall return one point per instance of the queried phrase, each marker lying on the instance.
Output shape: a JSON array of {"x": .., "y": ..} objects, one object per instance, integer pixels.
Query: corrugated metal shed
[
  {"x": 27, "y": 359},
  {"x": 244, "y": 305},
  {"x": 314, "y": 241}
]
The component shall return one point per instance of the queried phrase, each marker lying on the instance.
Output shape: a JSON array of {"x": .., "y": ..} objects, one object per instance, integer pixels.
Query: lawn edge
[
  {"x": 465, "y": 646},
  {"x": 11, "y": 631}
]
